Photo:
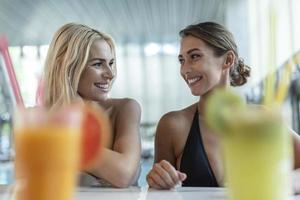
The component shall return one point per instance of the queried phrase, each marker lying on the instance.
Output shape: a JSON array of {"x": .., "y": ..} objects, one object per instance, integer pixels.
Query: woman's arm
[
  {"x": 120, "y": 165},
  {"x": 296, "y": 145},
  {"x": 163, "y": 175},
  {"x": 164, "y": 149}
]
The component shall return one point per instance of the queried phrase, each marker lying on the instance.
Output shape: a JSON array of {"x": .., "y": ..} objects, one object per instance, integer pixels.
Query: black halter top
[{"x": 194, "y": 161}]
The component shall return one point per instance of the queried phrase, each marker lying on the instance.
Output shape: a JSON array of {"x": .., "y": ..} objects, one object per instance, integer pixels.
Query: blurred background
[{"x": 146, "y": 35}]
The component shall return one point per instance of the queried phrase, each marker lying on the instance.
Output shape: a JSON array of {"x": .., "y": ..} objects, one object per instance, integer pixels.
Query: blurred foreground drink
[
  {"x": 258, "y": 158},
  {"x": 47, "y": 154},
  {"x": 257, "y": 148}
]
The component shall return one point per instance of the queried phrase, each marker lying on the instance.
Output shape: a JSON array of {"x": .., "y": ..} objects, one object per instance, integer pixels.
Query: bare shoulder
[
  {"x": 176, "y": 121},
  {"x": 169, "y": 121},
  {"x": 130, "y": 104},
  {"x": 126, "y": 105}
]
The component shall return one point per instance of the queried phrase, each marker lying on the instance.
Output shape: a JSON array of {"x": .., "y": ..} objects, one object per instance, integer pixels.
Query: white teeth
[
  {"x": 193, "y": 80},
  {"x": 102, "y": 86}
]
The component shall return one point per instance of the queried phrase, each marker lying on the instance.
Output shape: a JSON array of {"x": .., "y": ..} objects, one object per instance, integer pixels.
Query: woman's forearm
[{"x": 116, "y": 168}]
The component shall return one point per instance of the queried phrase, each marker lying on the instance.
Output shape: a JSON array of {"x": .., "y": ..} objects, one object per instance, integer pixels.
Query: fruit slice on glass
[
  {"x": 222, "y": 110},
  {"x": 95, "y": 134}
]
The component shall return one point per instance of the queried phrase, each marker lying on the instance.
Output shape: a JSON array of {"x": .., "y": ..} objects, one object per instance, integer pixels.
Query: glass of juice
[
  {"x": 47, "y": 146},
  {"x": 257, "y": 156}
]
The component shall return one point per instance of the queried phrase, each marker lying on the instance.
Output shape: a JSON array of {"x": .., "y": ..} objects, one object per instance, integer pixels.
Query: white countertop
[
  {"x": 135, "y": 193},
  {"x": 144, "y": 193}
]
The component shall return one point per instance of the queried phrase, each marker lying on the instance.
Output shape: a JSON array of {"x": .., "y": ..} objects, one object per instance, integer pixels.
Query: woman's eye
[
  {"x": 194, "y": 56},
  {"x": 181, "y": 61},
  {"x": 111, "y": 64},
  {"x": 98, "y": 64}
]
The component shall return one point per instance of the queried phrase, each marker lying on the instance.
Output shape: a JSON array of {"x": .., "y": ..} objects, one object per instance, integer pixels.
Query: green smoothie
[{"x": 256, "y": 148}]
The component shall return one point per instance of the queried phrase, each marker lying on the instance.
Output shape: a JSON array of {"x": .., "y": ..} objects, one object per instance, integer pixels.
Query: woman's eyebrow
[
  {"x": 191, "y": 50},
  {"x": 96, "y": 59}
]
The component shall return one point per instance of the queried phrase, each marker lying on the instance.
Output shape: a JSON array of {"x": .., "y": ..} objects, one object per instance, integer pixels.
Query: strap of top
[{"x": 194, "y": 161}]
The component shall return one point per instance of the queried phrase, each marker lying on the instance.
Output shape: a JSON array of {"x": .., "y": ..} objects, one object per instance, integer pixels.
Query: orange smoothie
[{"x": 47, "y": 158}]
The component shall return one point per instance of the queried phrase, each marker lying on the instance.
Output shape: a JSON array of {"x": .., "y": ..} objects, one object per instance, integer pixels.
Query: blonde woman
[{"x": 81, "y": 64}]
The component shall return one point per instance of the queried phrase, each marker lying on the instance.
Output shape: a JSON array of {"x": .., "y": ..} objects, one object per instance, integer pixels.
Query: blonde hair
[
  {"x": 66, "y": 59},
  {"x": 221, "y": 41}
]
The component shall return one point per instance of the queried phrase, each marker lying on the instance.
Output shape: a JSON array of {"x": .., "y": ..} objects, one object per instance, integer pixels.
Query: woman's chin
[
  {"x": 100, "y": 98},
  {"x": 103, "y": 98},
  {"x": 200, "y": 91},
  {"x": 196, "y": 93}
]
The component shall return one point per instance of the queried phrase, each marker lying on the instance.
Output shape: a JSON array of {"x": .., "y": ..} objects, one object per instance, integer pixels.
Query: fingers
[
  {"x": 172, "y": 176},
  {"x": 160, "y": 178},
  {"x": 156, "y": 176},
  {"x": 182, "y": 176},
  {"x": 152, "y": 182},
  {"x": 164, "y": 176}
]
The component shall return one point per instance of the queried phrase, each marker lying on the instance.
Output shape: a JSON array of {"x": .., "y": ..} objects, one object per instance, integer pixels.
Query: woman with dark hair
[{"x": 186, "y": 150}]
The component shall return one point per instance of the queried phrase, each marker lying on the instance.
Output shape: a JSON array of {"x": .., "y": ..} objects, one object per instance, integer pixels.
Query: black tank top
[{"x": 194, "y": 161}]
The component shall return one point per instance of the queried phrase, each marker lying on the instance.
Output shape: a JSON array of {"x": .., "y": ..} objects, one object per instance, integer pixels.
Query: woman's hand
[{"x": 164, "y": 176}]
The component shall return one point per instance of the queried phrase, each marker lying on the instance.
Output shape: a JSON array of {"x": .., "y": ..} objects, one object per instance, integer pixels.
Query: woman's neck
[
  {"x": 105, "y": 103},
  {"x": 203, "y": 99},
  {"x": 201, "y": 105}
]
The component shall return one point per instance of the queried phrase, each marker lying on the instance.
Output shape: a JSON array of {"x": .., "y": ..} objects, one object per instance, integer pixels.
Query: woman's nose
[
  {"x": 185, "y": 68},
  {"x": 109, "y": 72}
]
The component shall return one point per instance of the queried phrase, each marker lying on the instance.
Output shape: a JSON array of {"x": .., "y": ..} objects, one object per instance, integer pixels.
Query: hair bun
[
  {"x": 240, "y": 73},
  {"x": 243, "y": 69}
]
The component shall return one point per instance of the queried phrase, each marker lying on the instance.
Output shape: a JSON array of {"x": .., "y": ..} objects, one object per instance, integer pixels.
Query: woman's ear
[{"x": 229, "y": 59}]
